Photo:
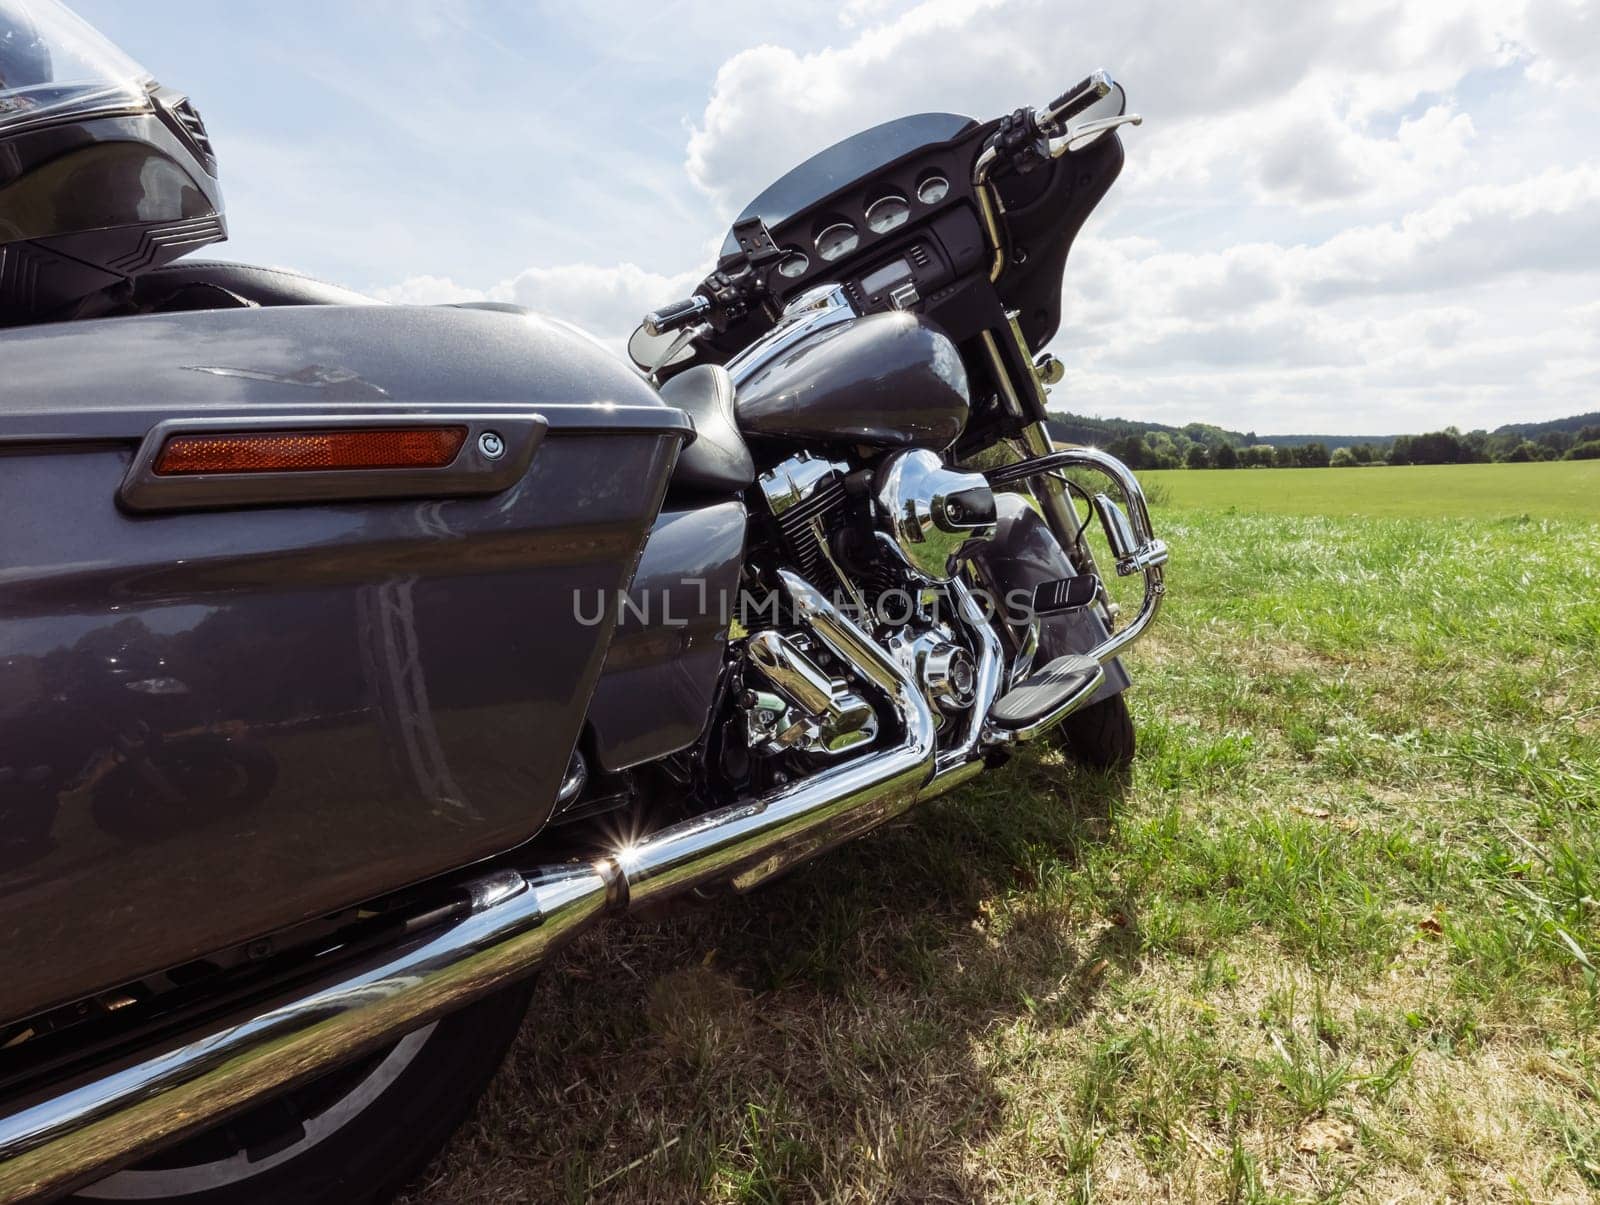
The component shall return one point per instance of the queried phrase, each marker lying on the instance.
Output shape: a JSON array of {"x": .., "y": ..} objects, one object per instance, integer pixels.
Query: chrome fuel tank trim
[{"x": 812, "y": 311}]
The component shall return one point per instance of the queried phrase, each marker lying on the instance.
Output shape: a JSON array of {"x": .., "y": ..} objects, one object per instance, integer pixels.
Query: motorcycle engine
[{"x": 884, "y": 543}]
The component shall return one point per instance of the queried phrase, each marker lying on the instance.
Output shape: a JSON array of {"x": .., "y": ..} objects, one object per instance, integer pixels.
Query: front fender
[{"x": 1024, "y": 553}]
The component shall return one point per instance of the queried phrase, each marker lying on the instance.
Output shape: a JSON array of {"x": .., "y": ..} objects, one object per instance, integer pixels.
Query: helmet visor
[{"x": 55, "y": 65}]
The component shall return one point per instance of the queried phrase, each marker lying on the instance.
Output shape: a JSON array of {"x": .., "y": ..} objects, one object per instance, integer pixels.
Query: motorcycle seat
[
  {"x": 261, "y": 286},
  {"x": 718, "y": 460}
]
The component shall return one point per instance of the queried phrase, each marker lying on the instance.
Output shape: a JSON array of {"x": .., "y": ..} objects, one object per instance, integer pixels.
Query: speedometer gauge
[
  {"x": 837, "y": 240},
  {"x": 793, "y": 265},
  {"x": 933, "y": 190},
  {"x": 887, "y": 214}
]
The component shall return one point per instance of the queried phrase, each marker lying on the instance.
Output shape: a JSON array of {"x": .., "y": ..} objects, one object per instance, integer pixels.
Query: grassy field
[
  {"x": 1336, "y": 938},
  {"x": 1561, "y": 489}
]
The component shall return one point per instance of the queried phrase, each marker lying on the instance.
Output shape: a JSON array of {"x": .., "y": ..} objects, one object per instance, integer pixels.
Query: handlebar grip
[
  {"x": 1078, "y": 97},
  {"x": 676, "y": 315}
]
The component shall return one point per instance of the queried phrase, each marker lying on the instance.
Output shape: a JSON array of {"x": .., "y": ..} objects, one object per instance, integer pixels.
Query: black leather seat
[
  {"x": 718, "y": 461},
  {"x": 260, "y": 286}
]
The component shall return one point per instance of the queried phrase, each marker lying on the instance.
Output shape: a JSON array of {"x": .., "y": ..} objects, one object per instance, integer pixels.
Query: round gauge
[
  {"x": 933, "y": 190},
  {"x": 837, "y": 240},
  {"x": 887, "y": 214},
  {"x": 794, "y": 265}
]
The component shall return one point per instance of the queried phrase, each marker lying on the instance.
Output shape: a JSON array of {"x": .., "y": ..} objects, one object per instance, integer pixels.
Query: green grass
[
  {"x": 1336, "y": 939},
  {"x": 1563, "y": 489}
]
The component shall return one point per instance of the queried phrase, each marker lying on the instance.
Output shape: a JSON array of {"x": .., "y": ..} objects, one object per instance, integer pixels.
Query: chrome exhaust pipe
[
  {"x": 747, "y": 844},
  {"x": 510, "y": 922},
  {"x": 78, "y": 1132},
  {"x": 962, "y": 761}
]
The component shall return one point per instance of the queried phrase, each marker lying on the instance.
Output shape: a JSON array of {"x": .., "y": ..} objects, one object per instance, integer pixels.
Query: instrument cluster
[{"x": 817, "y": 241}]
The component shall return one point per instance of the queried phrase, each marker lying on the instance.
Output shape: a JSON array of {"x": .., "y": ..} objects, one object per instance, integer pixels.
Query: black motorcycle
[{"x": 482, "y": 635}]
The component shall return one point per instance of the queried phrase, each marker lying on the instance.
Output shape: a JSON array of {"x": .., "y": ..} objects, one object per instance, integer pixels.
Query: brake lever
[{"x": 1060, "y": 146}]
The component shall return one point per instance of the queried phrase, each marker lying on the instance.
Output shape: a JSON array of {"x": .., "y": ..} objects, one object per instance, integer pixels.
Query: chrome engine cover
[
  {"x": 934, "y": 515},
  {"x": 943, "y": 669},
  {"x": 811, "y": 710}
]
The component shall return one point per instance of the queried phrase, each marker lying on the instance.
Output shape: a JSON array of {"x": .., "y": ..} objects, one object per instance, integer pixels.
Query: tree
[
  {"x": 1164, "y": 452},
  {"x": 1131, "y": 450},
  {"x": 1343, "y": 458},
  {"x": 1557, "y": 441},
  {"x": 1284, "y": 457},
  {"x": 1525, "y": 451},
  {"x": 1584, "y": 451},
  {"x": 1197, "y": 458},
  {"x": 1312, "y": 456},
  {"x": 1438, "y": 447},
  {"x": 1227, "y": 457}
]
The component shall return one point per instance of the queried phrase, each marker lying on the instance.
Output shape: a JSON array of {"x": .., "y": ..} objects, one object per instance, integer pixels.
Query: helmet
[{"x": 103, "y": 173}]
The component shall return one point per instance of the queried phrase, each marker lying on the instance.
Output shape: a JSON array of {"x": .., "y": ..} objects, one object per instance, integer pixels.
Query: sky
[{"x": 1341, "y": 218}]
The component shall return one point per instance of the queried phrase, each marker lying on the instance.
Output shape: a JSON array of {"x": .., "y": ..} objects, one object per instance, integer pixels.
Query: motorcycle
[{"x": 497, "y": 636}]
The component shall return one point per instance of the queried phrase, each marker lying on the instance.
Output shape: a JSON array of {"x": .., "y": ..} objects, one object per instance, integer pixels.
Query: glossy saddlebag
[{"x": 232, "y": 702}]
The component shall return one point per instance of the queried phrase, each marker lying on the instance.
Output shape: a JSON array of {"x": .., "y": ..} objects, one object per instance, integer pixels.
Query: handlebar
[
  {"x": 1076, "y": 99},
  {"x": 676, "y": 315}
]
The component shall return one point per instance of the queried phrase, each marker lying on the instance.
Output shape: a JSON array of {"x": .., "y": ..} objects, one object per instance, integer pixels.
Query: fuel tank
[{"x": 891, "y": 380}]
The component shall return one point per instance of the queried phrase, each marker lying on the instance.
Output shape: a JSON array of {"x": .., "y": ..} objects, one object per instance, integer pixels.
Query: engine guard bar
[{"x": 1129, "y": 534}]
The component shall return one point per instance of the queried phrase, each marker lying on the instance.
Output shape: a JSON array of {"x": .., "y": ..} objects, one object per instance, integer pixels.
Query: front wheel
[
  {"x": 1100, "y": 736},
  {"x": 356, "y": 1135}
]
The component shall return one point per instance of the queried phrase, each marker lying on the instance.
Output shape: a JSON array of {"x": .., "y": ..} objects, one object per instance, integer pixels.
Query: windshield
[
  {"x": 53, "y": 64},
  {"x": 857, "y": 156}
]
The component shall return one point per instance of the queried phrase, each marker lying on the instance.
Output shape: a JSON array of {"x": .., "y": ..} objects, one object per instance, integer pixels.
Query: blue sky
[{"x": 1353, "y": 217}]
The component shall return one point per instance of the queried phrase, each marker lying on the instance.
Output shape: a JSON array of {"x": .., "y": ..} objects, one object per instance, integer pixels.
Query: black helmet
[{"x": 103, "y": 173}]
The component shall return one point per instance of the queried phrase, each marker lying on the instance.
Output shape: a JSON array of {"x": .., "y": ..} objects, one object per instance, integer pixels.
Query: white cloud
[
  {"x": 1460, "y": 311},
  {"x": 1354, "y": 217},
  {"x": 429, "y": 290},
  {"x": 608, "y": 302}
]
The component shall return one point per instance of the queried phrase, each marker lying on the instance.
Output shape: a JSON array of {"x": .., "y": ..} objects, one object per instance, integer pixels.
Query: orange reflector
[{"x": 310, "y": 451}]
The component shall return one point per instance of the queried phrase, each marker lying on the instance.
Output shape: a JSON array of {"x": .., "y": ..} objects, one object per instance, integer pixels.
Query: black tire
[
  {"x": 369, "y": 1151},
  {"x": 1100, "y": 736}
]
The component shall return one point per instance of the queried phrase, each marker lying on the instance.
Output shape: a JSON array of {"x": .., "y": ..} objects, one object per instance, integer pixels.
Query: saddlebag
[{"x": 235, "y": 696}]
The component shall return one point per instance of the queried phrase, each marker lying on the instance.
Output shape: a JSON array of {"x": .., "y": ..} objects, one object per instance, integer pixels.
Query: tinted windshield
[{"x": 857, "y": 156}]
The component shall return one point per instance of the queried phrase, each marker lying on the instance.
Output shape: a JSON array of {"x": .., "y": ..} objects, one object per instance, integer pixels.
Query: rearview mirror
[{"x": 655, "y": 352}]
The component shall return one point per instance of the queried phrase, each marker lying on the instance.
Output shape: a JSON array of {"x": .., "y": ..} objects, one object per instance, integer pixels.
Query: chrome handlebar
[
  {"x": 1076, "y": 98},
  {"x": 677, "y": 315}
]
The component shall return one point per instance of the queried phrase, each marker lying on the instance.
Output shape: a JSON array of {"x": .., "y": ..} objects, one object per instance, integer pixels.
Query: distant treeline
[{"x": 1203, "y": 446}]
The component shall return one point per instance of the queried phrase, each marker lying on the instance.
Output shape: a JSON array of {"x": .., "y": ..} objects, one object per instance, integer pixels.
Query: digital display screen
[{"x": 885, "y": 277}]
